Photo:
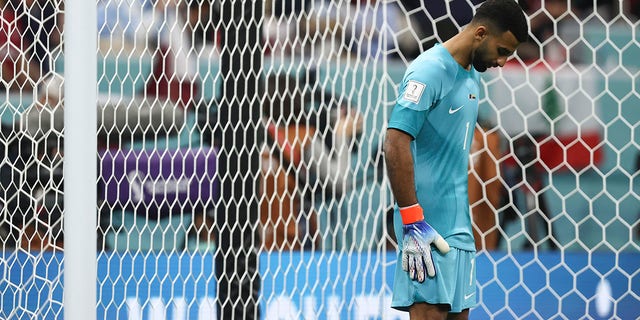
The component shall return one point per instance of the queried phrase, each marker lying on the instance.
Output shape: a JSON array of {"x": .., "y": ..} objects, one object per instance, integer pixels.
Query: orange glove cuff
[{"x": 411, "y": 214}]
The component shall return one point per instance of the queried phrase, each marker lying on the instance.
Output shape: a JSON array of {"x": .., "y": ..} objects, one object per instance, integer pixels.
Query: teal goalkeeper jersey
[{"x": 438, "y": 106}]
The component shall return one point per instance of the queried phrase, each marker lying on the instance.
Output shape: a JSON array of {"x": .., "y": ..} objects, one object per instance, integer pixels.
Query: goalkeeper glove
[{"x": 418, "y": 237}]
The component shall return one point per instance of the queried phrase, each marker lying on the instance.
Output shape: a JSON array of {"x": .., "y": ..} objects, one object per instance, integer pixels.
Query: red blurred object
[
  {"x": 572, "y": 151},
  {"x": 165, "y": 84},
  {"x": 567, "y": 151}
]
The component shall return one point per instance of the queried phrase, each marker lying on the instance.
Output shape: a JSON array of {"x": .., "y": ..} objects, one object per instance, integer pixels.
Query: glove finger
[
  {"x": 412, "y": 267},
  {"x": 428, "y": 261},
  {"x": 420, "y": 266},
  {"x": 441, "y": 244},
  {"x": 405, "y": 261}
]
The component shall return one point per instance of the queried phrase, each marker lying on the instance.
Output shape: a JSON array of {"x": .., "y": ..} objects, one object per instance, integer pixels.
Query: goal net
[{"x": 240, "y": 170}]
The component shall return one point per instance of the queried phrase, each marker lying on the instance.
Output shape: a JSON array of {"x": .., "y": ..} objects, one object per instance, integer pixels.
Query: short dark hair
[{"x": 505, "y": 15}]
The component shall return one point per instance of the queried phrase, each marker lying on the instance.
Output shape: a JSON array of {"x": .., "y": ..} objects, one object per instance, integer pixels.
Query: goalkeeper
[{"x": 427, "y": 144}]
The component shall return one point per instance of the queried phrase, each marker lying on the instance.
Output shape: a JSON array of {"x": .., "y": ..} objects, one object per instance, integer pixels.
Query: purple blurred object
[{"x": 157, "y": 183}]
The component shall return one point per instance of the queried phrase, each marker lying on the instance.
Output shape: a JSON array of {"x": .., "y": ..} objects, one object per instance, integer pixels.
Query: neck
[{"x": 460, "y": 47}]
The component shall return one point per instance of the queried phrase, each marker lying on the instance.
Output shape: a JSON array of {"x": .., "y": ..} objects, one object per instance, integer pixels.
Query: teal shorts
[{"x": 453, "y": 285}]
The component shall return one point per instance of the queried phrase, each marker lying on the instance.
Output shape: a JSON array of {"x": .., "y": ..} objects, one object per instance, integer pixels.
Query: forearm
[
  {"x": 400, "y": 172},
  {"x": 491, "y": 164}
]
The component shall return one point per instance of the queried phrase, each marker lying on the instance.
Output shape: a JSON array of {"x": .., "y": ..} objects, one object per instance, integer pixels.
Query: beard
[
  {"x": 478, "y": 59},
  {"x": 480, "y": 66}
]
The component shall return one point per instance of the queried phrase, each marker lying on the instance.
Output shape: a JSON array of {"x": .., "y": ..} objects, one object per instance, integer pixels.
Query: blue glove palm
[{"x": 416, "y": 252}]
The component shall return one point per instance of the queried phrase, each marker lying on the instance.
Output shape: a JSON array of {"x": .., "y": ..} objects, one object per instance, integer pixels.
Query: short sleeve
[
  {"x": 421, "y": 89},
  {"x": 407, "y": 120},
  {"x": 422, "y": 85}
]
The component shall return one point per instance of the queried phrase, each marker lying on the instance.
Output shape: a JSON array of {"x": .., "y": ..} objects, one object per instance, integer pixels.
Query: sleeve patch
[{"x": 413, "y": 91}]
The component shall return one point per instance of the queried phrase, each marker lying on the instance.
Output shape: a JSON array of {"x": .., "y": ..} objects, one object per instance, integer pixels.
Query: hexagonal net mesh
[{"x": 240, "y": 169}]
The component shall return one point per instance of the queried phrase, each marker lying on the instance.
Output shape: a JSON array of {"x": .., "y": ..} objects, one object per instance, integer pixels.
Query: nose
[{"x": 502, "y": 61}]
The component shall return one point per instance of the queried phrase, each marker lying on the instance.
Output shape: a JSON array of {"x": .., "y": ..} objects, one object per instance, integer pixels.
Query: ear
[{"x": 481, "y": 32}]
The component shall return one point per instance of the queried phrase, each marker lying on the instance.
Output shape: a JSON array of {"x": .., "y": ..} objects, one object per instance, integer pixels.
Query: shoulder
[{"x": 431, "y": 66}]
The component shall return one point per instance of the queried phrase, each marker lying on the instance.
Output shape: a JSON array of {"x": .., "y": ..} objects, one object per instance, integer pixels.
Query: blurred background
[{"x": 239, "y": 158}]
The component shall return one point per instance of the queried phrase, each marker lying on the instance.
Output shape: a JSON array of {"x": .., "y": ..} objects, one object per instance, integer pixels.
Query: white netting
[{"x": 240, "y": 169}]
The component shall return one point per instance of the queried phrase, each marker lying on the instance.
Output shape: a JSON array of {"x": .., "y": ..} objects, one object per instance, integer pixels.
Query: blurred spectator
[
  {"x": 18, "y": 71},
  {"x": 200, "y": 22},
  {"x": 381, "y": 28},
  {"x": 605, "y": 9},
  {"x": 484, "y": 187},
  {"x": 326, "y": 29},
  {"x": 164, "y": 29},
  {"x": 30, "y": 193},
  {"x": 35, "y": 219},
  {"x": 170, "y": 30},
  {"x": 42, "y": 22},
  {"x": 296, "y": 161},
  {"x": 176, "y": 31},
  {"x": 285, "y": 26},
  {"x": 201, "y": 236},
  {"x": 118, "y": 20},
  {"x": 556, "y": 27},
  {"x": 544, "y": 26},
  {"x": 437, "y": 20},
  {"x": 41, "y": 228},
  {"x": 523, "y": 200},
  {"x": 555, "y": 23},
  {"x": 119, "y": 119}
]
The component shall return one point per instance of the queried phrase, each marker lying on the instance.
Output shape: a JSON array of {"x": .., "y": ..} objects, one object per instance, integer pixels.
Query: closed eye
[{"x": 504, "y": 52}]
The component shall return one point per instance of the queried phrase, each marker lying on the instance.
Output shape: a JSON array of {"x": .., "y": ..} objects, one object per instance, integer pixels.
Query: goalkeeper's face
[{"x": 494, "y": 51}]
